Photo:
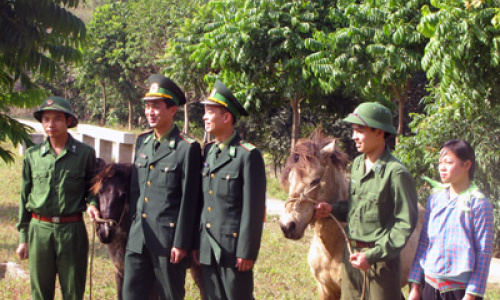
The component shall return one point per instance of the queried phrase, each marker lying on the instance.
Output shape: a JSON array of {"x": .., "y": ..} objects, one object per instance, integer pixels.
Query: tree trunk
[
  {"x": 296, "y": 122},
  {"x": 186, "y": 116},
  {"x": 401, "y": 102},
  {"x": 130, "y": 115},
  {"x": 104, "y": 112}
]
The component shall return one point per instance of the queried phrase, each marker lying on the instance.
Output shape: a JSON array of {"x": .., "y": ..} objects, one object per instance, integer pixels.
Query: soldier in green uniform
[
  {"x": 381, "y": 211},
  {"x": 234, "y": 188},
  {"x": 56, "y": 178},
  {"x": 164, "y": 193}
]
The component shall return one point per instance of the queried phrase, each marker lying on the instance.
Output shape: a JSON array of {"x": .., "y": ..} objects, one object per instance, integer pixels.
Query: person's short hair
[
  {"x": 464, "y": 151},
  {"x": 169, "y": 102},
  {"x": 224, "y": 110}
]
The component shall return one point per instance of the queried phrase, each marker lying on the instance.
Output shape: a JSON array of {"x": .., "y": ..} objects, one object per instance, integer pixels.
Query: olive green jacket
[
  {"x": 54, "y": 185},
  {"x": 382, "y": 206},
  {"x": 234, "y": 190},
  {"x": 164, "y": 193}
]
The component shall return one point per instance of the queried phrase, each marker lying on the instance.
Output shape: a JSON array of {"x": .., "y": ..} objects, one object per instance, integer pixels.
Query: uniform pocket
[
  {"x": 74, "y": 181},
  {"x": 228, "y": 240},
  {"x": 41, "y": 182},
  {"x": 141, "y": 164},
  {"x": 229, "y": 184},
  {"x": 169, "y": 175},
  {"x": 166, "y": 230}
]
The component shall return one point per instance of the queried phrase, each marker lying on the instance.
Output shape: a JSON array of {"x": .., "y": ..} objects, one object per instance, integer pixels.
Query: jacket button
[
  {"x": 209, "y": 208},
  {"x": 146, "y": 199},
  {"x": 151, "y": 167},
  {"x": 211, "y": 192},
  {"x": 149, "y": 183},
  {"x": 235, "y": 234},
  {"x": 207, "y": 225},
  {"x": 172, "y": 224},
  {"x": 144, "y": 216},
  {"x": 139, "y": 165},
  {"x": 212, "y": 175},
  {"x": 166, "y": 169},
  {"x": 228, "y": 177}
]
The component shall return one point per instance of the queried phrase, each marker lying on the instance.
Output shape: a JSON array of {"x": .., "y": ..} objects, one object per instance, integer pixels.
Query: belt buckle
[
  {"x": 354, "y": 244},
  {"x": 56, "y": 220}
]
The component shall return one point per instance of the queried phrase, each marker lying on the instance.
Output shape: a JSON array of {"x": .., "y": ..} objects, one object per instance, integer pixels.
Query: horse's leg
[
  {"x": 119, "y": 285},
  {"x": 196, "y": 274}
]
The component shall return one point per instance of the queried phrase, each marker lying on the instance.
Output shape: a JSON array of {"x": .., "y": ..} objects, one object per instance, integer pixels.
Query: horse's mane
[
  {"x": 306, "y": 150},
  {"x": 109, "y": 171}
]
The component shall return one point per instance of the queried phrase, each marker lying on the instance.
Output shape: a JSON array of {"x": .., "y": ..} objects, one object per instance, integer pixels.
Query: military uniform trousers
[
  {"x": 383, "y": 279},
  {"x": 226, "y": 283},
  {"x": 58, "y": 249},
  {"x": 142, "y": 270}
]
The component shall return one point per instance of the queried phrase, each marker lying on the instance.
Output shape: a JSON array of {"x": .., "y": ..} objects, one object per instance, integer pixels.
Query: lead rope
[{"x": 91, "y": 260}]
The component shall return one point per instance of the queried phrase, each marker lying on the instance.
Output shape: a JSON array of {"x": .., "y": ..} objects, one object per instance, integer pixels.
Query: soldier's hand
[
  {"x": 359, "y": 261},
  {"x": 177, "y": 254},
  {"x": 93, "y": 213},
  {"x": 196, "y": 256},
  {"x": 22, "y": 251},
  {"x": 243, "y": 264},
  {"x": 322, "y": 210}
]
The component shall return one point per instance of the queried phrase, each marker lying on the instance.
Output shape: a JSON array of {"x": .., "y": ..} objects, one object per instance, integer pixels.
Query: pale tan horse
[{"x": 315, "y": 172}]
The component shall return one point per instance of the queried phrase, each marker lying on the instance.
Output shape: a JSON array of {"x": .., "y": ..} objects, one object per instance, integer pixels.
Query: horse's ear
[{"x": 329, "y": 148}]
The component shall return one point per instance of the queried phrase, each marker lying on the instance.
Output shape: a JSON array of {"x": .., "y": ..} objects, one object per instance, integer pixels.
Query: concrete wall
[{"x": 110, "y": 145}]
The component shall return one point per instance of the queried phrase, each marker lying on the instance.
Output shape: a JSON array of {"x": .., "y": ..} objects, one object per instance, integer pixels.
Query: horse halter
[{"x": 110, "y": 223}]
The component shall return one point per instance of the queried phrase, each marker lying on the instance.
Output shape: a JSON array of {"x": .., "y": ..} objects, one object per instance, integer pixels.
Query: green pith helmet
[
  {"x": 372, "y": 115},
  {"x": 222, "y": 96},
  {"x": 56, "y": 104},
  {"x": 161, "y": 87}
]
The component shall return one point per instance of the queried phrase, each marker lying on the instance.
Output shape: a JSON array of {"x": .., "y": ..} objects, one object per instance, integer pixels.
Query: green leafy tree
[
  {"x": 258, "y": 49},
  {"x": 461, "y": 59},
  {"x": 34, "y": 37},
  {"x": 374, "y": 52}
]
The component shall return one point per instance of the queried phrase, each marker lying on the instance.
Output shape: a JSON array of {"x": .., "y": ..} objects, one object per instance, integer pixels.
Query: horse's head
[
  {"x": 111, "y": 185},
  {"x": 314, "y": 172}
]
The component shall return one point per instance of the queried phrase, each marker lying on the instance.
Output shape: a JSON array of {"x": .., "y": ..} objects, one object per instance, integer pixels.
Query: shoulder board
[
  {"x": 247, "y": 145},
  {"x": 187, "y": 138},
  {"x": 145, "y": 132}
]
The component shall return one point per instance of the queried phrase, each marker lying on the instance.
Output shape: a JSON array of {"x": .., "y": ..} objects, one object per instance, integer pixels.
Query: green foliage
[
  {"x": 35, "y": 36},
  {"x": 374, "y": 51}
]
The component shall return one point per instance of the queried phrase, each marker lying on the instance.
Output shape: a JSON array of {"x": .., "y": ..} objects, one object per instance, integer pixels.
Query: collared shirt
[
  {"x": 456, "y": 240},
  {"x": 165, "y": 135},
  {"x": 382, "y": 206},
  {"x": 226, "y": 142},
  {"x": 55, "y": 185}
]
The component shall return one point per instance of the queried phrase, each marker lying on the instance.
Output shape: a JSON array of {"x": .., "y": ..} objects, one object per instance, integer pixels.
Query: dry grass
[{"x": 280, "y": 273}]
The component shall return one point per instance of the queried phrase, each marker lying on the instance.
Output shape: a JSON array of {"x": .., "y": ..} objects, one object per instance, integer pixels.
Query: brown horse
[
  {"x": 112, "y": 184},
  {"x": 315, "y": 172}
]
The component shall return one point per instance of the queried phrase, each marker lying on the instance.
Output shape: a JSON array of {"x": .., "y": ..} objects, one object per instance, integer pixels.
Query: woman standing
[{"x": 455, "y": 247}]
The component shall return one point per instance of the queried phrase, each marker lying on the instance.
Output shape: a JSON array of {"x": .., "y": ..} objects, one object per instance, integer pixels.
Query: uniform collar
[
  {"x": 379, "y": 165},
  {"x": 226, "y": 142},
  {"x": 165, "y": 135},
  {"x": 70, "y": 146}
]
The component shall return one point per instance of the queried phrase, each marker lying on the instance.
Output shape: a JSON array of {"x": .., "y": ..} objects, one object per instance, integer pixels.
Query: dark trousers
[
  {"x": 222, "y": 283},
  {"x": 383, "y": 279},
  {"x": 57, "y": 249},
  {"x": 430, "y": 293},
  {"x": 142, "y": 270}
]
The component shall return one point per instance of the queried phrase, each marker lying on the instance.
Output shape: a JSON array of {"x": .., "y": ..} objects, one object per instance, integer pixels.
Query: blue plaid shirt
[{"x": 456, "y": 240}]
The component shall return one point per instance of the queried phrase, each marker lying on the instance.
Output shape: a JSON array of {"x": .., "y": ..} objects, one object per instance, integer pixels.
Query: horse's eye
[{"x": 316, "y": 181}]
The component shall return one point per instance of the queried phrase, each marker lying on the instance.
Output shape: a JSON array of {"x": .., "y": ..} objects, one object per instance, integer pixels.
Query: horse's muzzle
[
  {"x": 289, "y": 231},
  {"x": 106, "y": 233}
]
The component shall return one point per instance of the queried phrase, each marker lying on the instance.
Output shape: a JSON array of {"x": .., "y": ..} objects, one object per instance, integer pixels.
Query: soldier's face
[
  {"x": 159, "y": 116},
  {"x": 215, "y": 120},
  {"x": 366, "y": 138},
  {"x": 55, "y": 123}
]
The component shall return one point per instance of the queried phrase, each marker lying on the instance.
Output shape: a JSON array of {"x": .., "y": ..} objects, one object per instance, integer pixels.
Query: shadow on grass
[{"x": 9, "y": 213}]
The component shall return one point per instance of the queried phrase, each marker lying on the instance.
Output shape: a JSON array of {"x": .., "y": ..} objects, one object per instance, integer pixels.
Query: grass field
[{"x": 281, "y": 271}]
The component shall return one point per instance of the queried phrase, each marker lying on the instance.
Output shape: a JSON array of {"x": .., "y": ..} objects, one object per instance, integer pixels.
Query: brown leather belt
[
  {"x": 360, "y": 244},
  {"x": 64, "y": 219}
]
